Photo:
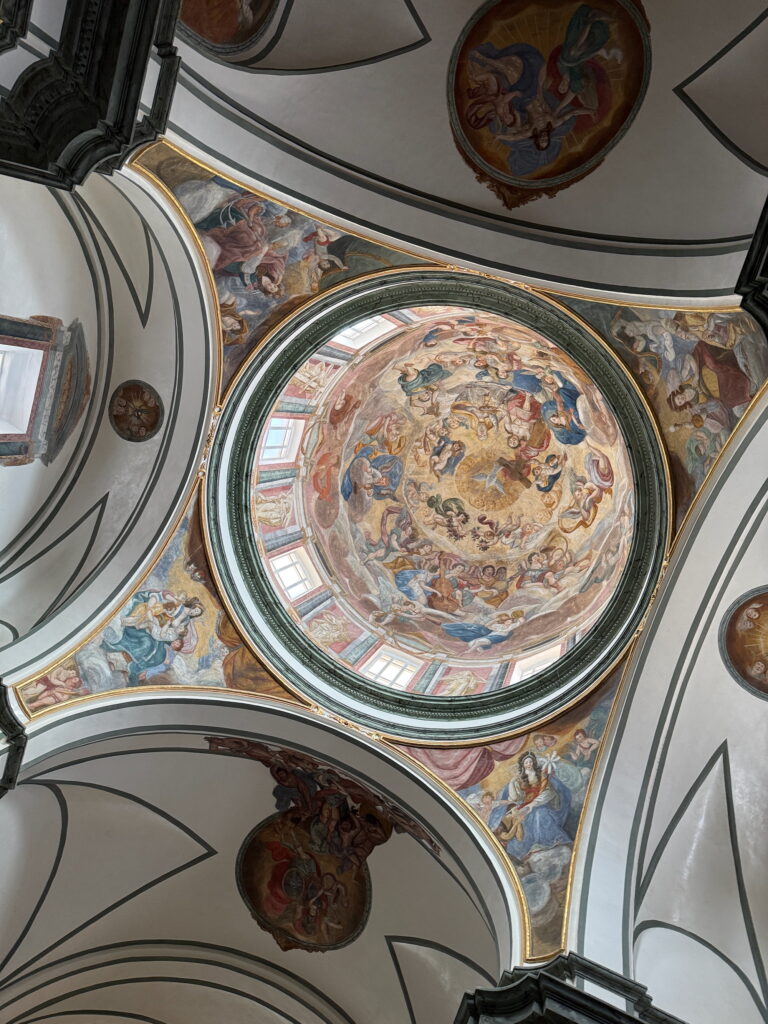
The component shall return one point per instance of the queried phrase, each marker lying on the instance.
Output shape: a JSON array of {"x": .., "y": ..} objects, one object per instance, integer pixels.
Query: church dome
[{"x": 435, "y": 483}]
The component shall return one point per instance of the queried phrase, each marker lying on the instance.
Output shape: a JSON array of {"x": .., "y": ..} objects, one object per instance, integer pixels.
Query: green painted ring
[{"x": 257, "y": 607}]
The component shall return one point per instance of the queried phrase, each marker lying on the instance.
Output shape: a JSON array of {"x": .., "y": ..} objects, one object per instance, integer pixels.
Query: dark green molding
[{"x": 578, "y": 670}]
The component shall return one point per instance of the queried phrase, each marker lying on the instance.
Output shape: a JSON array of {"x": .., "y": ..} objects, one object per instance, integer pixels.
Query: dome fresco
[
  {"x": 422, "y": 487},
  {"x": 463, "y": 493}
]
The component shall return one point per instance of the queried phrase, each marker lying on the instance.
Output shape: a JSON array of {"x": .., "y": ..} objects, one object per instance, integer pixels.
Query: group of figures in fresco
[
  {"x": 171, "y": 632},
  {"x": 530, "y": 791},
  {"x": 303, "y": 872},
  {"x": 265, "y": 258},
  {"x": 469, "y": 485},
  {"x": 541, "y": 91},
  {"x": 699, "y": 370}
]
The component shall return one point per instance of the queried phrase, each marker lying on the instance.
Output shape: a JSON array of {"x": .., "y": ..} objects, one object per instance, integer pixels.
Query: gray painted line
[
  {"x": 191, "y": 944},
  {"x": 708, "y": 123},
  {"x": 698, "y": 632},
  {"x": 154, "y": 980},
  {"x": 142, "y": 310},
  {"x": 24, "y": 45},
  {"x": 62, "y": 804},
  {"x": 53, "y": 43},
  {"x": 475, "y": 897},
  {"x": 445, "y": 253},
  {"x": 119, "y": 1014},
  {"x": 208, "y": 852},
  {"x": 746, "y": 910},
  {"x": 702, "y": 504},
  {"x": 148, "y": 958},
  {"x": 392, "y": 940},
  {"x": 401, "y": 981},
  {"x": 411, "y": 940},
  {"x": 645, "y": 881},
  {"x": 651, "y": 924},
  {"x": 40, "y": 519},
  {"x": 152, "y": 959},
  {"x": 363, "y": 62},
  {"x": 102, "y": 504},
  {"x": 197, "y": 730},
  {"x": 98, "y": 504},
  {"x": 720, "y": 755},
  {"x": 14, "y": 632},
  {"x": 568, "y": 238},
  {"x": 202, "y": 416},
  {"x": 668, "y": 719}
]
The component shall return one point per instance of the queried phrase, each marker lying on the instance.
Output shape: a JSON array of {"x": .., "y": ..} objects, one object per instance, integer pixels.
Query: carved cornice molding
[
  {"x": 753, "y": 280},
  {"x": 14, "y": 19},
  {"x": 13, "y": 731},
  {"x": 77, "y": 108},
  {"x": 550, "y": 994}
]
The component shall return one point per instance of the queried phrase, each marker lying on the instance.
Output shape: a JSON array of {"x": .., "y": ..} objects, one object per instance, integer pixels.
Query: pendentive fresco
[{"x": 698, "y": 370}]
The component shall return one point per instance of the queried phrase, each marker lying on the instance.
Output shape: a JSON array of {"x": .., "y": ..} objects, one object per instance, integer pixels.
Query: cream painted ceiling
[
  {"x": 118, "y": 894},
  {"x": 368, "y": 140},
  {"x": 75, "y": 533}
]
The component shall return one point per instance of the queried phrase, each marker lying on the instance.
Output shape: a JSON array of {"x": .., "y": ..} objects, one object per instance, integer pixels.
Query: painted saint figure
[{"x": 535, "y": 819}]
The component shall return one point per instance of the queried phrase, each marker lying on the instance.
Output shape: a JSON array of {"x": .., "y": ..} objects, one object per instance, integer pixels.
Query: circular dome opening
[{"x": 438, "y": 517}]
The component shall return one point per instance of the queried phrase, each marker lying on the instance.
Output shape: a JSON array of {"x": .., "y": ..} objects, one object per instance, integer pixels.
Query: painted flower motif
[{"x": 136, "y": 411}]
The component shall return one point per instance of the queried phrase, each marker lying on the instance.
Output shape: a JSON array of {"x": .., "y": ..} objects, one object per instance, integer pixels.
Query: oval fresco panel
[
  {"x": 432, "y": 506},
  {"x": 540, "y": 90},
  {"x": 744, "y": 640},
  {"x": 222, "y": 26},
  {"x": 136, "y": 410}
]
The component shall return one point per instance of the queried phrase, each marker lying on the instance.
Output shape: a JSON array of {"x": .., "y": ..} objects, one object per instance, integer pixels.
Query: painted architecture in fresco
[
  {"x": 303, "y": 872},
  {"x": 699, "y": 370},
  {"x": 45, "y": 385},
  {"x": 265, "y": 258},
  {"x": 541, "y": 91},
  {"x": 469, "y": 487}
]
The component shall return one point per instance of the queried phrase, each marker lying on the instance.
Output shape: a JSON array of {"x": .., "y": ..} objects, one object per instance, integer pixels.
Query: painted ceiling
[
  {"x": 465, "y": 495},
  {"x": 717, "y": 356},
  {"x": 445, "y": 504}
]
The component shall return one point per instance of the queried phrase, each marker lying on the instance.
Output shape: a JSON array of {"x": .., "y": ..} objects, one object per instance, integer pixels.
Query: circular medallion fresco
[
  {"x": 437, "y": 502},
  {"x": 744, "y": 640},
  {"x": 540, "y": 91},
  {"x": 292, "y": 885},
  {"x": 225, "y": 26},
  {"x": 135, "y": 410}
]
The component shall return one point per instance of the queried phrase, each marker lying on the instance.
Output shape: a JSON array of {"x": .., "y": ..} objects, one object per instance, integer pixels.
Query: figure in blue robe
[
  {"x": 543, "y": 827},
  {"x": 552, "y": 472},
  {"x": 389, "y": 466},
  {"x": 561, "y": 414},
  {"x": 145, "y": 652},
  {"x": 471, "y": 632},
  {"x": 413, "y": 583},
  {"x": 426, "y": 379}
]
